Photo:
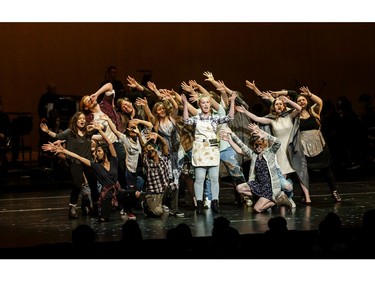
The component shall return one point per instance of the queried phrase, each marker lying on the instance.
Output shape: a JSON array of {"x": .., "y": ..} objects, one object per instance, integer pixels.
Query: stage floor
[{"x": 35, "y": 211}]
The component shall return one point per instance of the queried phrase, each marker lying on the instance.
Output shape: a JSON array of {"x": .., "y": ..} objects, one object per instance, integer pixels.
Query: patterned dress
[{"x": 261, "y": 186}]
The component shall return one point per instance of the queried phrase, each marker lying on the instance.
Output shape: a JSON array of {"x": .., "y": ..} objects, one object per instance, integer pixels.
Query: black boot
[
  {"x": 215, "y": 206},
  {"x": 199, "y": 206}
]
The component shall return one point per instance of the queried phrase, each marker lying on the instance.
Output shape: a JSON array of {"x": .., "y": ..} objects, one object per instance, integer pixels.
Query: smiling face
[
  {"x": 160, "y": 111},
  {"x": 127, "y": 107},
  {"x": 205, "y": 105},
  {"x": 258, "y": 145},
  {"x": 302, "y": 101}
]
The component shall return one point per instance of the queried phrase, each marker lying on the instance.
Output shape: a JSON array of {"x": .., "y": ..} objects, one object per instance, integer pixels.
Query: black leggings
[{"x": 76, "y": 172}]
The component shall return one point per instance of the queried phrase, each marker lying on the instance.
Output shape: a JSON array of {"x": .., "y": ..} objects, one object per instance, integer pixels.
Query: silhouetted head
[
  {"x": 83, "y": 235},
  {"x": 277, "y": 224},
  {"x": 131, "y": 231}
]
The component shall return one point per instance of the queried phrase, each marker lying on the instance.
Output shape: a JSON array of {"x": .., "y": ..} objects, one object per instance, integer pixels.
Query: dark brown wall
[{"x": 332, "y": 59}]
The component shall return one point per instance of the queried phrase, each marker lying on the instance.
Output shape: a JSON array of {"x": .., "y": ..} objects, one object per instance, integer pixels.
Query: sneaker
[
  {"x": 177, "y": 214},
  {"x": 335, "y": 195},
  {"x": 292, "y": 202},
  {"x": 122, "y": 212},
  {"x": 131, "y": 216},
  {"x": 207, "y": 204},
  {"x": 165, "y": 209}
]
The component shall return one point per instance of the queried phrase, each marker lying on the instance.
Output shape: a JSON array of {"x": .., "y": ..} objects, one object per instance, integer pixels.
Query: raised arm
[
  {"x": 157, "y": 137},
  {"x": 252, "y": 86},
  {"x": 108, "y": 87},
  {"x": 273, "y": 142},
  {"x": 292, "y": 104},
  {"x": 57, "y": 148},
  {"x": 111, "y": 125},
  {"x": 189, "y": 89},
  {"x": 204, "y": 92},
  {"x": 140, "y": 138},
  {"x": 232, "y": 103},
  {"x": 235, "y": 142},
  {"x": 223, "y": 94},
  {"x": 132, "y": 83},
  {"x": 185, "y": 113},
  {"x": 267, "y": 99},
  {"x": 111, "y": 148},
  {"x": 252, "y": 116},
  {"x": 143, "y": 102},
  {"x": 225, "y": 135},
  {"x": 142, "y": 122},
  {"x": 169, "y": 96},
  {"x": 44, "y": 128},
  {"x": 318, "y": 102},
  {"x": 154, "y": 89},
  {"x": 193, "y": 111},
  {"x": 210, "y": 78}
]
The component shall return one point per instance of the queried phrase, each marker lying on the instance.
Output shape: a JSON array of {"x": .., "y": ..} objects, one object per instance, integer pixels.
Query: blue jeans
[
  {"x": 286, "y": 184},
  {"x": 133, "y": 181},
  {"x": 228, "y": 158}
]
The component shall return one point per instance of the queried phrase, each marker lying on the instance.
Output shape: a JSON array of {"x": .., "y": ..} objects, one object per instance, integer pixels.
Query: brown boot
[{"x": 283, "y": 200}]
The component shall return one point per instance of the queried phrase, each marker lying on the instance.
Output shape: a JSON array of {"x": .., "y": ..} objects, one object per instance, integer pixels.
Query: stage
[{"x": 34, "y": 211}]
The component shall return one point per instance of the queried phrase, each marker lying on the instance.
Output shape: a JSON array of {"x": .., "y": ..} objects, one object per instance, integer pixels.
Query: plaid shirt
[
  {"x": 215, "y": 120},
  {"x": 157, "y": 174}
]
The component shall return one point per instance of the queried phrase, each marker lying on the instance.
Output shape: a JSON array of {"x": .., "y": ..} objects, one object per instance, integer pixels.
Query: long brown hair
[{"x": 73, "y": 124}]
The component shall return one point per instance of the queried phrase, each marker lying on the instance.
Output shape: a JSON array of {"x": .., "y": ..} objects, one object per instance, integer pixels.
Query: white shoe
[
  {"x": 292, "y": 202},
  {"x": 248, "y": 201},
  {"x": 165, "y": 209},
  {"x": 207, "y": 204}
]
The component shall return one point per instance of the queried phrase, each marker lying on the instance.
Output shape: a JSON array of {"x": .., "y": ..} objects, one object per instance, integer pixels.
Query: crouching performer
[{"x": 264, "y": 185}]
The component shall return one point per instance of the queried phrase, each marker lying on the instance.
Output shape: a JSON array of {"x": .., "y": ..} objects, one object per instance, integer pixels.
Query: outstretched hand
[
  {"x": 141, "y": 102},
  {"x": 256, "y": 131},
  {"x": 225, "y": 133},
  {"x": 305, "y": 91},
  {"x": 55, "y": 147},
  {"x": 152, "y": 86},
  {"x": 44, "y": 127},
  {"x": 132, "y": 82},
  {"x": 186, "y": 87},
  {"x": 251, "y": 85},
  {"x": 209, "y": 75}
]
